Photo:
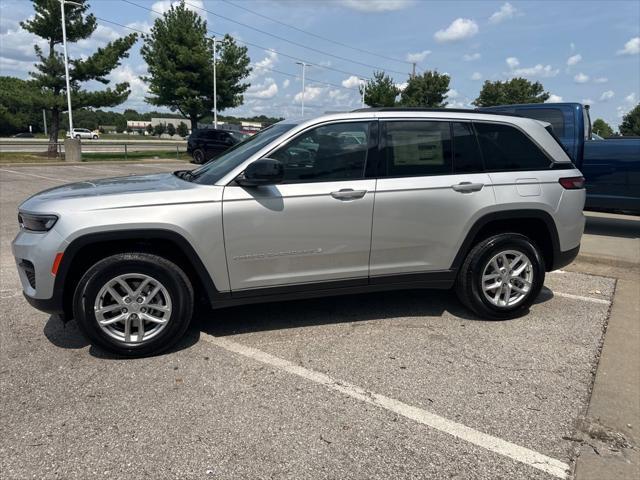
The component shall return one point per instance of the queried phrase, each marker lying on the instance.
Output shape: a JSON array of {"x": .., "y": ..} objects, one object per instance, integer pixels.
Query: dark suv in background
[{"x": 204, "y": 144}]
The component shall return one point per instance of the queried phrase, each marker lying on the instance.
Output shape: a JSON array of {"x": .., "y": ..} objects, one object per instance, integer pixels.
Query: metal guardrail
[{"x": 92, "y": 146}]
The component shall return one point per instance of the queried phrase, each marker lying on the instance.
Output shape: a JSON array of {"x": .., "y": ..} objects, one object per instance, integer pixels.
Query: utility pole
[
  {"x": 44, "y": 120},
  {"x": 413, "y": 71},
  {"x": 66, "y": 60},
  {"x": 364, "y": 89},
  {"x": 215, "y": 88},
  {"x": 304, "y": 66}
]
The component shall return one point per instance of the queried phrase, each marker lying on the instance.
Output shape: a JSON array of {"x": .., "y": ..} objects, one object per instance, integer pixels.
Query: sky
[{"x": 581, "y": 51}]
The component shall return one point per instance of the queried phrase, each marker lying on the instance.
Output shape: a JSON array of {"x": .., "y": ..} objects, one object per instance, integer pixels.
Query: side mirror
[{"x": 265, "y": 171}]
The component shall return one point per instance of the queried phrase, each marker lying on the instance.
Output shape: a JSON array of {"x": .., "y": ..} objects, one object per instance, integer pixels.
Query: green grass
[{"x": 19, "y": 157}]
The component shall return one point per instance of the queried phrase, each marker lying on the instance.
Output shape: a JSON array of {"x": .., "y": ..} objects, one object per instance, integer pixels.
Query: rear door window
[
  {"x": 506, "y": 148},
  {"x": 466, "y": 151},
  {"x": 417, "y": 148}
]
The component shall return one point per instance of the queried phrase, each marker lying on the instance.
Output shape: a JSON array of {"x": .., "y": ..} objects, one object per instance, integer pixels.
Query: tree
[
  {"x": 18, "y": 106},
  {"x": 380, "y": 91},
  {"x": 183, "y": 130},
  {"x": 426, "y": 90},
  {"x": 159, "y": 129},
  {"x": 630, "y": 125},
  {"x": 171, "y": 130},
  {"x": 49, "y": 75},
  {"x": 516, "y": 90},
  {"x": 602, "y": 128},
  {"x": 179, "y": 58},
  {"x": 121, "y": 124},
  {"x": 149, "y": 129}
]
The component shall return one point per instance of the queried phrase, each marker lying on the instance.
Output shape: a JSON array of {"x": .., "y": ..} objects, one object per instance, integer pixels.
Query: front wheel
[
  {"x": 501, "y": 276},
  {"x": 95, "y": 137},
  {"x": 134, "y": 304},
  {"x": 78, "y": 137},
  {"x": 198, "y": 156}
]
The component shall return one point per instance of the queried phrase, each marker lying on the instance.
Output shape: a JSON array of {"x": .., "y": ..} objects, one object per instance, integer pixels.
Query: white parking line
[
  {"x": 582, "y": 298},
  {"x": 489, "y": 442},
  {"x": 34, "y": 175}
]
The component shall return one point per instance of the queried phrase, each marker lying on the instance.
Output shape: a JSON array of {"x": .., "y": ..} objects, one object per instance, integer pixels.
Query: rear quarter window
[
  {"x": 506, "y": 148},
  {"x": 552, "y": 115}
]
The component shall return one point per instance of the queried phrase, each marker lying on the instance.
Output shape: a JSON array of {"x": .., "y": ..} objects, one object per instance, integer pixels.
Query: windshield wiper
[{"x": 186, "y": 175}]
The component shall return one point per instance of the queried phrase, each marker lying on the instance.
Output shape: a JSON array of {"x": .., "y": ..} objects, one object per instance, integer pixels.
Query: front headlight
[{"x": 36, "y": 223}]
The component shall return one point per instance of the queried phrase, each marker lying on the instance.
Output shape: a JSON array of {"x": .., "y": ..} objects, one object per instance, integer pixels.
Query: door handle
[
  {"x": 348, "y": 194},
  {"x": 467, "y": 187}
]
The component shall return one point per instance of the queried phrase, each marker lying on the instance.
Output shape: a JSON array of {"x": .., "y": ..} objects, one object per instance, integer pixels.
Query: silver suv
[{"x": 370, "y": 200}]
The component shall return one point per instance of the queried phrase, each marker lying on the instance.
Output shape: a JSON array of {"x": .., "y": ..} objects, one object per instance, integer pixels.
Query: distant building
[
  {"x": 166, "y": 121},
  {"x": 137, "y": 124}
]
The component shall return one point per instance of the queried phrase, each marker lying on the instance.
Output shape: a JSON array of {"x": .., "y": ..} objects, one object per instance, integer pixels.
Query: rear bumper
[{"x": 562, "y": 259}]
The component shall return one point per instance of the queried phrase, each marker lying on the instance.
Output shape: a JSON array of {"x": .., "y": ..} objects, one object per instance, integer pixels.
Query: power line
[
  {"x": 279, "y": 38},
  {"x": 269, "y": 69},
  {"x": 326, "y": 39},
  {"x": 266, "y": 49}
]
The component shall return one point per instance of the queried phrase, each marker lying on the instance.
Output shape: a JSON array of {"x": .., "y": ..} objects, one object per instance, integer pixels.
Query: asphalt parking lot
[{"x": 394, "y": 385}]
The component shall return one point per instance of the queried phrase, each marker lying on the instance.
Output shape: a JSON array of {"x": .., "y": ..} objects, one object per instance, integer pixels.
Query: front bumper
[{"x": 34, "y": 255}]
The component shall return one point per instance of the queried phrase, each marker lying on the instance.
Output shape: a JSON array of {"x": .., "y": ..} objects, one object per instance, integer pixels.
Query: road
[{"x": 394, "y": 385}]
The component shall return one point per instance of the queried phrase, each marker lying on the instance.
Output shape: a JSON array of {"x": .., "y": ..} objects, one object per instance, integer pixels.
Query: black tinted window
[
  {"x": 507, "y": 148},
  {"x": 330, "y": 152},
  {"x": 466, "y": 152},
  {"x": 417, "y": 148},
  {"x": 552, "y": 115}
]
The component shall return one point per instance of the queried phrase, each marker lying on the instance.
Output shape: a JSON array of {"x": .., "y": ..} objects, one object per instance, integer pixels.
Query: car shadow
[
  {"x": 263, "y": 317},
  {"x": 613, "y": 227}
]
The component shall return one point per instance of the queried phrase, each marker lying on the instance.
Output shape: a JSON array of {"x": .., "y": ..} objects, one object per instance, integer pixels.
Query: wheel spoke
[
  {"x": 516, "y": 261},
  {"x": 152, "y": 294},
  {"x": 140, "y": 328},
  {"x": 115, "y": 295},
  {"x": 125, "y": 285},
  {"x": 108, "y": 308},
  {"x": 153, "y": 318},
  {"x": 517, "y": 272},
  {"x": 490, "y": 276},
  {"x": 493, "y": 286},
  {"x": 109, "y": 321},
  {"x": 142, "y": 286},
  {"x": 127, "y": 328}
]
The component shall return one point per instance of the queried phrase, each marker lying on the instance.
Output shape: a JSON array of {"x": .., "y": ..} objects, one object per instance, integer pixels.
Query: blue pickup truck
[{"x": 610, "y": 166}]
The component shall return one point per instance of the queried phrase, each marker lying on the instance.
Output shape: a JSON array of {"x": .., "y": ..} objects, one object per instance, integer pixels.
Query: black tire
[
  {"x": 198, "y": 156},
  {"x": 78, "y": 137},
  {"x": 95, "y": 137},
  {"x": 174, "y": 280},
  {"x": 469, "y": 285}
]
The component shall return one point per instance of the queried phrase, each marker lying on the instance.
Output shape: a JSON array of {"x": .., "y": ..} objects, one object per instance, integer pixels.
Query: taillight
[{"x": 572, "y": 183}]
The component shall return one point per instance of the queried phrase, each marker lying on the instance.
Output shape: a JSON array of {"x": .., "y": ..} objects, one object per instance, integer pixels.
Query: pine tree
[{"x": 50, "y": 76}]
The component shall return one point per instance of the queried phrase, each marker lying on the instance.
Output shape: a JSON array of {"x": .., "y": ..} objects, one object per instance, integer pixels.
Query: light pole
[
  {"x": 364, "y": 89},
  {"x": 304, "y": 66},
  {"x": 66, "y": 61},
  {"x": 215, "y": 88}
]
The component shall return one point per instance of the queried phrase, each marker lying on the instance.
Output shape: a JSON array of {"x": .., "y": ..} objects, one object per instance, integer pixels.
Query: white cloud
[
  {"x": 286, "y": 83},
  {"x": 265, "y": 64},
  {"x": 588, "y": 101},
  {"x": 631, "y": 98},
  {"x": 452, "y": 94},
  {"x": 539, "y": 70},
  {"x": 476, "y": 76},
  {"x": 352, "y": 82},
  {"x": 581, "y": 78},
  {"x": 574, "y": 59},
  {"x": 600, "y": 80},
  {"x": 268, "y": 89},
  {"x": 632, "y": 47},
  {"x": 401, "y": 86},
  {"x": 377, "y": 5},
  {"x": 124, "y": 73},
  {"x": 142, "y": 26},
  {"x": 506, "y": 12},
  {"x": 513, "y": 62},
  {"x": 310, "y": 94},
  {"x": 621, "y": 111},
  {"x": 418, "y": 57},
  {"x": 572, "y": 46},
  {"x": 608, "y": 95},
  {"x": 554, "y": 99},
  {"x": 470, "y": 57},
  {"x": 460, "y": 29},
  {"x": 196, "y": 6}
]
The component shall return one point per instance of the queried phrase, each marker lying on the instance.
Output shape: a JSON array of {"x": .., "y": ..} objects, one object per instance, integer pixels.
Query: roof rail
[{"x": 424, "y": 109}]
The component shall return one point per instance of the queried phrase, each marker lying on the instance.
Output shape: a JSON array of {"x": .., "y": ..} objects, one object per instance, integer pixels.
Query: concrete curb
[{"x": 609, "y": 261}]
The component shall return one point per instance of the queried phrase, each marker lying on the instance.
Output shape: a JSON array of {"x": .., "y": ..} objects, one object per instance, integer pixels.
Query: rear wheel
[
  {"x": 198, "y": 156},
  {"x": 95, "y": 137},
  {"x": 134, "y": 304},
  {"x": 501, "y": 276}
]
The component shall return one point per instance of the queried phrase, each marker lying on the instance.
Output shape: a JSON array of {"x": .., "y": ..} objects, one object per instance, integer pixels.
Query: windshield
[
  {"x": 239, "y": 136},
  {"x": 215, "y": 169}
]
